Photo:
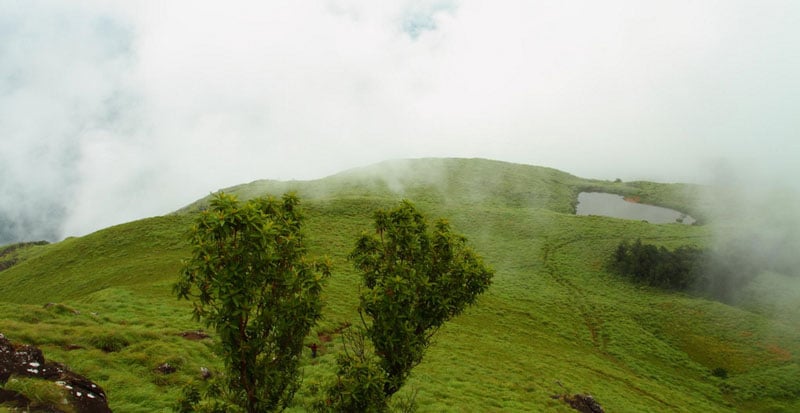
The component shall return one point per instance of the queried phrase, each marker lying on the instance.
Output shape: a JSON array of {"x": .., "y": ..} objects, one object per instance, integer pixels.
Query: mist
[
  {"x": 755, "y": 227},
  {"x": 114, "y": 111}
]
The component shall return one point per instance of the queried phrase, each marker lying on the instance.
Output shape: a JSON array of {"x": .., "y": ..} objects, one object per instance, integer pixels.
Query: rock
[
  {"x": 14, "y": 398},
  {"x": 21, "y": 361},
  {"x": 70, "y": 347},
  {"x": 166, "y": 368},
  {"x": 28, "y": 361},
  {"x": 584, "y": 403}
]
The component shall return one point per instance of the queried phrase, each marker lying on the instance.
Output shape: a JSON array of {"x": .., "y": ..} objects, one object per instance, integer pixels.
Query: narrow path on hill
[{"x": 590, "y": 313}]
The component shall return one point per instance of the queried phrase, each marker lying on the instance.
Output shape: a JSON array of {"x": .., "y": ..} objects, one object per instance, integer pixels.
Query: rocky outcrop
[
  {"x": 26, "y": 361},
  {"x": 8, "y": 253}
]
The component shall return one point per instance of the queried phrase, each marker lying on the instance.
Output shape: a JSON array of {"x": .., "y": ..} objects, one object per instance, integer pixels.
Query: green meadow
[{"x": 555, "y": 321}]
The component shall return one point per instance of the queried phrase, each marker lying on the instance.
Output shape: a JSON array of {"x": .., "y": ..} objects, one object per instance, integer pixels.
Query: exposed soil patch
[
  {"x": 194, "y": 335},
  {"x": 583, "y": 403},
  {"x": 633, "y": 199},
  {"x": 327, "y": 336},
  {"x": 778, "y": 352}
]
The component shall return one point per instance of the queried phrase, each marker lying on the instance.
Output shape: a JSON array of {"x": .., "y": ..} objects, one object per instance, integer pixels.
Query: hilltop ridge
[{"x": 463, "y": 181}]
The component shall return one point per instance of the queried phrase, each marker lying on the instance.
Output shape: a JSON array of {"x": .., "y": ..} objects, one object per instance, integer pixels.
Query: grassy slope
[{"x": 554, "y": 314}]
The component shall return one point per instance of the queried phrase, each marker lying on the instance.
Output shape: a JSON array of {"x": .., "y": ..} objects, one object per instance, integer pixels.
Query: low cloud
[
  {"x": 112, "y": 111},
  {"x": 755, "y": 229}
]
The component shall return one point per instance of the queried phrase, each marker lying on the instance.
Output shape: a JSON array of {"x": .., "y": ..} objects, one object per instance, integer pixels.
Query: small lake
[{"x": 615, "y": 206}]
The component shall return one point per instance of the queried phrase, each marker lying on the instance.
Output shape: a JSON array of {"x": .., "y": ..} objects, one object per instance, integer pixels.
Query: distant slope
[
  {"x": 139, "y": 252},
  {"x": 554, "y": 321},
  {"x": 466, "y": 182}
]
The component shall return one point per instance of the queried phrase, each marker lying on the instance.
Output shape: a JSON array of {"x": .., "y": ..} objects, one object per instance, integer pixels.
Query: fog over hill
[{"x": 111, "y": 111}]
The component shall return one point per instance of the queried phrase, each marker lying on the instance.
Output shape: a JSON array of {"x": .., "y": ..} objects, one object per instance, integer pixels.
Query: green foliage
[
  {"x": 216, "y": 398},
  {"x": 657, "y": 266},
  {"x": 359, "y": 378},
  {"x": 248, "y": 279},
  {"x": 190, "y": 397},
  {"x": 414, "y": 281}
]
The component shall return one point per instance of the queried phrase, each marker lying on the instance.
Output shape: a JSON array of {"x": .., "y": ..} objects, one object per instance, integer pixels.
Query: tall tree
[
  {"x": 249, "y": 280},
  {"x": 414, "y": 281}
]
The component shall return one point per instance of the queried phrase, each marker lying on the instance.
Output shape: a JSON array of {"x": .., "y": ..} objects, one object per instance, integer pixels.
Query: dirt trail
[{"x": 590, "y": 314}]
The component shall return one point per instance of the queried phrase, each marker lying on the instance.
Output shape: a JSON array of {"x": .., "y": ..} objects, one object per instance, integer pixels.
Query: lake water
[{"x": 615, "y": 206}]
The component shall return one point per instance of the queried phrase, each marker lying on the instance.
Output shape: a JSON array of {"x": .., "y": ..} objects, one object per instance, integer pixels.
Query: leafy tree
[
  {"x": 248, "y": 279},
  {"x": 414, "y": 281}
]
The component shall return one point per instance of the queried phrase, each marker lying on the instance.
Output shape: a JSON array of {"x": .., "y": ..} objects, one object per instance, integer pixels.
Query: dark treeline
[
  {"x": 719, "y": 273},
  {"x": 659, "y": 267}
]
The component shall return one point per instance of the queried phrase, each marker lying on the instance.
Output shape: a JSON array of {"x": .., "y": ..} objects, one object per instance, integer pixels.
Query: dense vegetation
[
  {"x": 555, "y": 320},
  {"x": 249, "y": 279},
  {"x": 648, "y": 264}
]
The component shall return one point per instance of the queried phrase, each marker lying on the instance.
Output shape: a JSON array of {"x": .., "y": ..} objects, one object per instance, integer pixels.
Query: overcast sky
[{"x": 112, "y": 111}]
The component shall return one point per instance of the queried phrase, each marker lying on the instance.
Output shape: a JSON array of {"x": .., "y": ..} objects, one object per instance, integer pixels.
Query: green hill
[{"x": 555, "y": 321}]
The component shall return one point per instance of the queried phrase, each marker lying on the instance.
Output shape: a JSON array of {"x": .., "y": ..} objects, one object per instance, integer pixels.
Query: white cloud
[{"x": 145, "y": 106}]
